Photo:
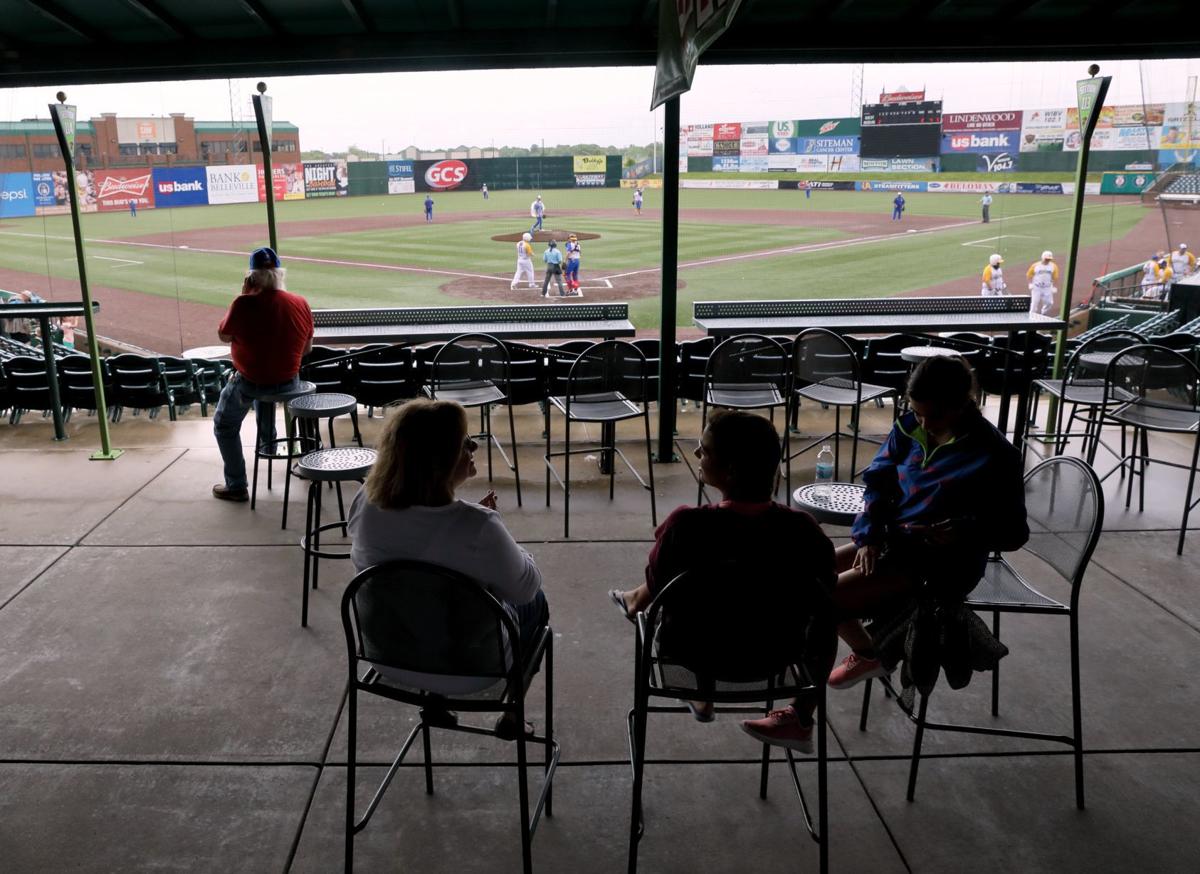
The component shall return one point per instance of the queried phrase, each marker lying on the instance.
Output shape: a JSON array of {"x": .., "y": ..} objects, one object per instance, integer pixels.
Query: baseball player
[
  {"x": 1156, "y": 277},
  {"x": 993, "y": 278},
  {"x": 574, "y": 252},
  {"x": 428, "y": 208},
  {"x": 537, "y": 210},
  {"x": 1043, "y": 281},
  {"x": 898, "y": 207},
  {"x": 524, "y": 262},
  {"x": 985, "y": 204},
  {"x": 485, "y": 191},
  {"x": 1183, "y": 262},
  {"x": 637, "y": 200}
]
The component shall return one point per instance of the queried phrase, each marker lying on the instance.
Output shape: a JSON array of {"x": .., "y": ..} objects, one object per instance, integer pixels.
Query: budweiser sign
[
  {"x": 136, "y": 186},
  {"x": 891, "y": 97}
]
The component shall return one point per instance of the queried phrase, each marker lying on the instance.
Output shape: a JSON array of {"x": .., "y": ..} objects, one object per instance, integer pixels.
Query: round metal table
[
  {"x": 211, "y": 352},
  {"x": 917, "y": 354},
  {"x": 845, "y": 501}
]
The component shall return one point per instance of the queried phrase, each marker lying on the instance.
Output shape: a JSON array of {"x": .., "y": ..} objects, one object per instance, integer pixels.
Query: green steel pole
[
  {"x": 106, "y": 452},
  {"x": 667, "y": 295}
]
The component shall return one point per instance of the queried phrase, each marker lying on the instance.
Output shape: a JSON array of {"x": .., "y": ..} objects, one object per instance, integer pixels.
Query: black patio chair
[
  {"x": 28, "y": 387},
  {"x": 137, "y": 383},
  {"x": 179, "y": 376},
  {"x": 411, "y": 625},
  {"x": 474, "y": 370},
  {"x": 607, "y": 384},
  {"x": 333, "y": 377},
  {"x": 684, "y": 651},
  {"x": 76, "y": 387},
  {"x": 1081, "y": 387},
  {"x": 1065, "y": 507},
  {"x": 1152, "y": 388},
  {"x": 384, "y": 376},
  {"x": 884, "y": 365},
  {"x": 693, "y": 362},
  {"x": 826, "y": 371},
  {"x": 211, "y": 376},
  {"x": 744, "y": 372}
]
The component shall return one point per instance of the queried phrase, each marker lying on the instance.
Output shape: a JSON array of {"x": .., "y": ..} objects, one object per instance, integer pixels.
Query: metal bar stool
[
  {"x": 334, "y": 466},
  {"x": 304, "y": 424},
  {"x": 269, "y": 450}
]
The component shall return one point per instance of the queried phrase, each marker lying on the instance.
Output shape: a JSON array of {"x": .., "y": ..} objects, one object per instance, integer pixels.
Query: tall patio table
[{"x": 920, "y": 316}]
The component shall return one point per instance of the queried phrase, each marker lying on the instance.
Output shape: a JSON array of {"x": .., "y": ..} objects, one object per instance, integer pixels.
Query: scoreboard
[{"x": 906, "y": 130}]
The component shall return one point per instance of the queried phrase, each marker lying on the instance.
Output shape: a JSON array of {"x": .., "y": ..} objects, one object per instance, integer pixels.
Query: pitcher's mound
[{"x": 545, "y": 236}]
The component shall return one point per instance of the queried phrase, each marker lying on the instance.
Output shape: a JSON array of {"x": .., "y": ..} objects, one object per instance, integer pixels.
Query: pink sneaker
[
  {"x": 853, "y": 670},
  {"x": 781, "y": 728}
]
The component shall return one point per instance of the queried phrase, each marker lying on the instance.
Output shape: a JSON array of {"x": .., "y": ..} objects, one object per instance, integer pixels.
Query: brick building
[{"x": 111, "y": 141}]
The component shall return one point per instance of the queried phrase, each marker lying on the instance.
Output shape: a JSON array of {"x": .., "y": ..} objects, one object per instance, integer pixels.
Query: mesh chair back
[
  {"x": 1065, "y": 508},
  {"x": 652, "y": 349},
  {"x": 611, "y": 370},
  {"x": 992, "y": 381},
  {"x": 702, "y": 634},
  {"x": 469, "y": 361},
  {"x": 1165, "y": 385},
  {"x": 1089, "y": 362},
  {"x": 384, "y": 376},
  {"x": 693, "y": 362},
  {"x": 747, "y": 363},
  {"x": 821, "y": 357},
  {"x": 332, "y": 377},
  {"x": 414, "y": 616}
]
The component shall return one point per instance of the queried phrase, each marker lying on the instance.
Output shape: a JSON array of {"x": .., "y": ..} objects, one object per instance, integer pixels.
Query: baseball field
[{"x": 164, "y": 278}]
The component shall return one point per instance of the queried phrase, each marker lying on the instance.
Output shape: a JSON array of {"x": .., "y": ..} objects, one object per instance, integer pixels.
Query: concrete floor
[{"x": 162, "y": 710}]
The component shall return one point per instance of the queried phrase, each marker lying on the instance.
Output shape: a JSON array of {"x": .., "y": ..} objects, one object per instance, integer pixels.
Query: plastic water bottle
[{"x": 824, "y": 477}]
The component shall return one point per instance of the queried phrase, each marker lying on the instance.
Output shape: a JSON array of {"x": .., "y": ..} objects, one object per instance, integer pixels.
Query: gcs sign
[{"x": 445, "y": 175}]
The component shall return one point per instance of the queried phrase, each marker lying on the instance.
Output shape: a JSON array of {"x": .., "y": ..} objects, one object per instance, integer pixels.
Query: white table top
[{"x": 216, "y": 352}]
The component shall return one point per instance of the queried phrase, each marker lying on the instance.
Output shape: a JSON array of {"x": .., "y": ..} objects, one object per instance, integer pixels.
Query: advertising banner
[
  {"x": 85, "y": 189},
  {"x": 1106, "y": 116},
  {"x": 783, "y": 146},
  {"x": 727, "y": 147},
  {"x": 1042, "y": 188},
  {"x": 50, "y": 195},
  {"x": 1151, "y": 115},
  {"x": 755, "y": 145},
  {"x": 782, "y": 163},
  {"x": 288, "y": 181},
  {"x": 725, "y": 163},
  {"x": 747, "y": 184},
  {"x": 1180, "y": 127},
  {"x": 784, "y": 129},
  {"x": 813, "y": 163},
  {"x": 320, "y": 179},
  {"x": 1125, "y": 183},
  {"x": 755, "y": 129},
  {"x": 753, "y": 164},
  {"x": 441, "y": 175},
  {"x": 16, "y": 195},
  {"x": 400, "y": 177},
  {"x": 699, "y": 148},
  {"x": 828, "y": 127},
  {"x": 889, "y": 97},
  {"x": 729, "y": 131},
  {"x": 1001, "y": 163},
  {"x": 897, "y": 165},
  {"x": 683, "y": 164},
  {"x": 588, "y": 163},
  {"x": 875, "y": 185},
  {"x": 801, "y": 184},
  {"x": 990, "y": 142},
  {"x": 827, "y": 145},
  {"x": 844, "y": 164},
  {"x": 116, "y": 189},
  {"x": 180, "y": 186},
  {"x": 1167, "y": 157},
  {"x": 591, "y": 180},
  {"x": 1043, "y": 130},
  {"x": 969, "y": 121},
  {"x": 965, "y": 187},
  {"x": 233, "y": 183}
]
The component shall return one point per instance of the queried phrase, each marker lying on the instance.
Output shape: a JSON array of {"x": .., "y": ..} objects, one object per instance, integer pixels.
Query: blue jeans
[
  {"x": 537, "y": 225},
  {"x": 531, "y": 618},
  {"x": 238, "y": 396}
]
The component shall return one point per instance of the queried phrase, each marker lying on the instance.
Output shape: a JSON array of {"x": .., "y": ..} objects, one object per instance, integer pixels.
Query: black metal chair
[
  {"x": 76, "y": 387},
  {"x": 744, "y": 372},
  {"x": 693, "y": 362},
  {"x": 406, "y": 617},
  {"x": 474, "y": 370},
  {"x": 607, "y": 384},
  {"x": 1081, "y": 386},
  {"x": 384, "y": 376},
  {"x": 826, "y": 371},
  {"x": 327, "y": 376},
  {"x": 179, "y": 376},
  {"x": 684, "y": 652},
  {"x": 211, "y": 376},
  {"x": 28, "y": 387},
  {"x": 137, "y": 383},
  {"x": 1152, "y": 388},
  {"x": 1065, "y": 507},
  {"x": 884, "y": 365}
]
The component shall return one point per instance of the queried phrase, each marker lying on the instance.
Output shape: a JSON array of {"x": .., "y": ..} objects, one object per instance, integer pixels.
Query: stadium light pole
[
  {"x": 667, "y": 294},
  {"x": 1090, "y": 93},
  {"x": 263, "y": 115},
  {"x": 63, "y": 117}
]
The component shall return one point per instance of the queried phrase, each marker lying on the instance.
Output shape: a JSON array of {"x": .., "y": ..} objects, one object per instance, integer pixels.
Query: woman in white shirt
[{"x": 408, "y": 510}]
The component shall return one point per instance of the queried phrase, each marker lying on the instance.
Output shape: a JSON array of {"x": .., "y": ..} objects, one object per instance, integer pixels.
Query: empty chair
[
  {"x": 211, "y": 376},
  {"x": 137, "y": 383},
  {"x": 76, "y": 386},
  {"x": 179, "y": 376},
  {"x": 884, "y": 365},
  {"x": 693, "y": 361},
  {"x": 385, "y": 376},
  {"x": 327, "y": 377},
  {"x": 28, "y": 387}
]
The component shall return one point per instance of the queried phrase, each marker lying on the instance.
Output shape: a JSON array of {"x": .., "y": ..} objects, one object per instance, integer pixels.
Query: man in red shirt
[{"x": 269, "y": 331}]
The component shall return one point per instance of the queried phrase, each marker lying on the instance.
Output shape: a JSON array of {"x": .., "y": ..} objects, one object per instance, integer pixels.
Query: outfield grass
[{"x": 1028, "y": 223}]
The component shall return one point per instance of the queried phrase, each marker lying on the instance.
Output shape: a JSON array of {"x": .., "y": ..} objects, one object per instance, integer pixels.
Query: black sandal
[{"x": 618, "y": 598}]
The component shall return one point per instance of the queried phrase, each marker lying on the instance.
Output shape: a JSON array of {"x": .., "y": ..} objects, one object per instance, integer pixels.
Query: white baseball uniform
[
  {"x": 524, "y": 265},
  {"x": 1042, "y": 279},
  {"x": 1182, "y": 263},
  {"x": 993, "y": 282}
]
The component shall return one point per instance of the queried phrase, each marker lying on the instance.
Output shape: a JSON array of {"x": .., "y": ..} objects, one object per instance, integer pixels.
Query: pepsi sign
[
  {"x": 445, "y": 175},
  {"x": 16, "y": 194},
  {"x": 180, "y": 186}
]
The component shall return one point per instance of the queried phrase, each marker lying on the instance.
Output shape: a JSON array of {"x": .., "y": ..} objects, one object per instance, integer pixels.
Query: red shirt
[{"x": 270, "y": 331}]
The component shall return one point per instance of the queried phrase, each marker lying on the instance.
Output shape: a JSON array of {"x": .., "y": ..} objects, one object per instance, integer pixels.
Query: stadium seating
[{"x": 1186, "y": 185}]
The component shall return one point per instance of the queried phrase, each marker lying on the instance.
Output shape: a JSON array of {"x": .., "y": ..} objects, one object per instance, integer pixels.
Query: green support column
[
  {"x": 667, "y": 295},
  {"x": 263, "y": 114}
]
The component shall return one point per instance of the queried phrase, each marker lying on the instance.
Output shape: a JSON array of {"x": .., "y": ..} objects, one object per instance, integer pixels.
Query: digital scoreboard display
[
  {"x": 903, "y": 130},
  {"x": 926, "y": 112}
]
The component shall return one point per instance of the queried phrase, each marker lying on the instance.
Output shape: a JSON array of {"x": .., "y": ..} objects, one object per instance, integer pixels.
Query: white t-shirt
[{"x": 461, "y": 536}]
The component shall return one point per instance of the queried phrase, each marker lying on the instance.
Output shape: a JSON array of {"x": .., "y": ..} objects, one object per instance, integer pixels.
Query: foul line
[{"x": 997, "y": 238}]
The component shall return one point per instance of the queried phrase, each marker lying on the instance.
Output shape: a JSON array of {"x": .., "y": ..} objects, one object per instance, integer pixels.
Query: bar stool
[
  {"x": 270, "y": 451},
  {"x": 334, "y": 466},
  {"x": 304, "y": 424}
]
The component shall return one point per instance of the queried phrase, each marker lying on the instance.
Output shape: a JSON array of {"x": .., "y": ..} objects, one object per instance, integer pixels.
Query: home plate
[{"x": 910, "y": 231}]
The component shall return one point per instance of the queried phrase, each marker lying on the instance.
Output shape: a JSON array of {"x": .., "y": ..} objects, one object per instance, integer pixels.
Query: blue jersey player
[{"x": 574, "y": 253}]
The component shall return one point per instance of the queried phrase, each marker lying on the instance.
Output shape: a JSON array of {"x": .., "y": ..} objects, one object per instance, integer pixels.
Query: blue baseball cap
[{"x": 264, "y": 259}]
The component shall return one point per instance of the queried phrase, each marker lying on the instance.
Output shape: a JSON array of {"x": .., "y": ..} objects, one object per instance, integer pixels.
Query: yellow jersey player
[
  {"x": 524, "y": 262},
  {"x": 993, "y": 278},
  {"x": 1156, "y": 277},
  {"x": 1183, "y": 262},
  {"x": 1043, "y": 282}
]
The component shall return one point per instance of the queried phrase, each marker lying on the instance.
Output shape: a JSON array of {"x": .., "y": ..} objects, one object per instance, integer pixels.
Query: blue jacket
[{"x": 975, "y": 479}]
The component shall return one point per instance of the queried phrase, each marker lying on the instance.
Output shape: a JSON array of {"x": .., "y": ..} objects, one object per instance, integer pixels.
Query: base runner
[
  {"x": 1043, "y": 280},
  {"x": 524, "y": 262},
  {"x": 993, "y": 278}
]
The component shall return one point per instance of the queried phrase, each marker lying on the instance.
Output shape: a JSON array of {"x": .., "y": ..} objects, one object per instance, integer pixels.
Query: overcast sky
[{"x": 606, "y": 106}]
